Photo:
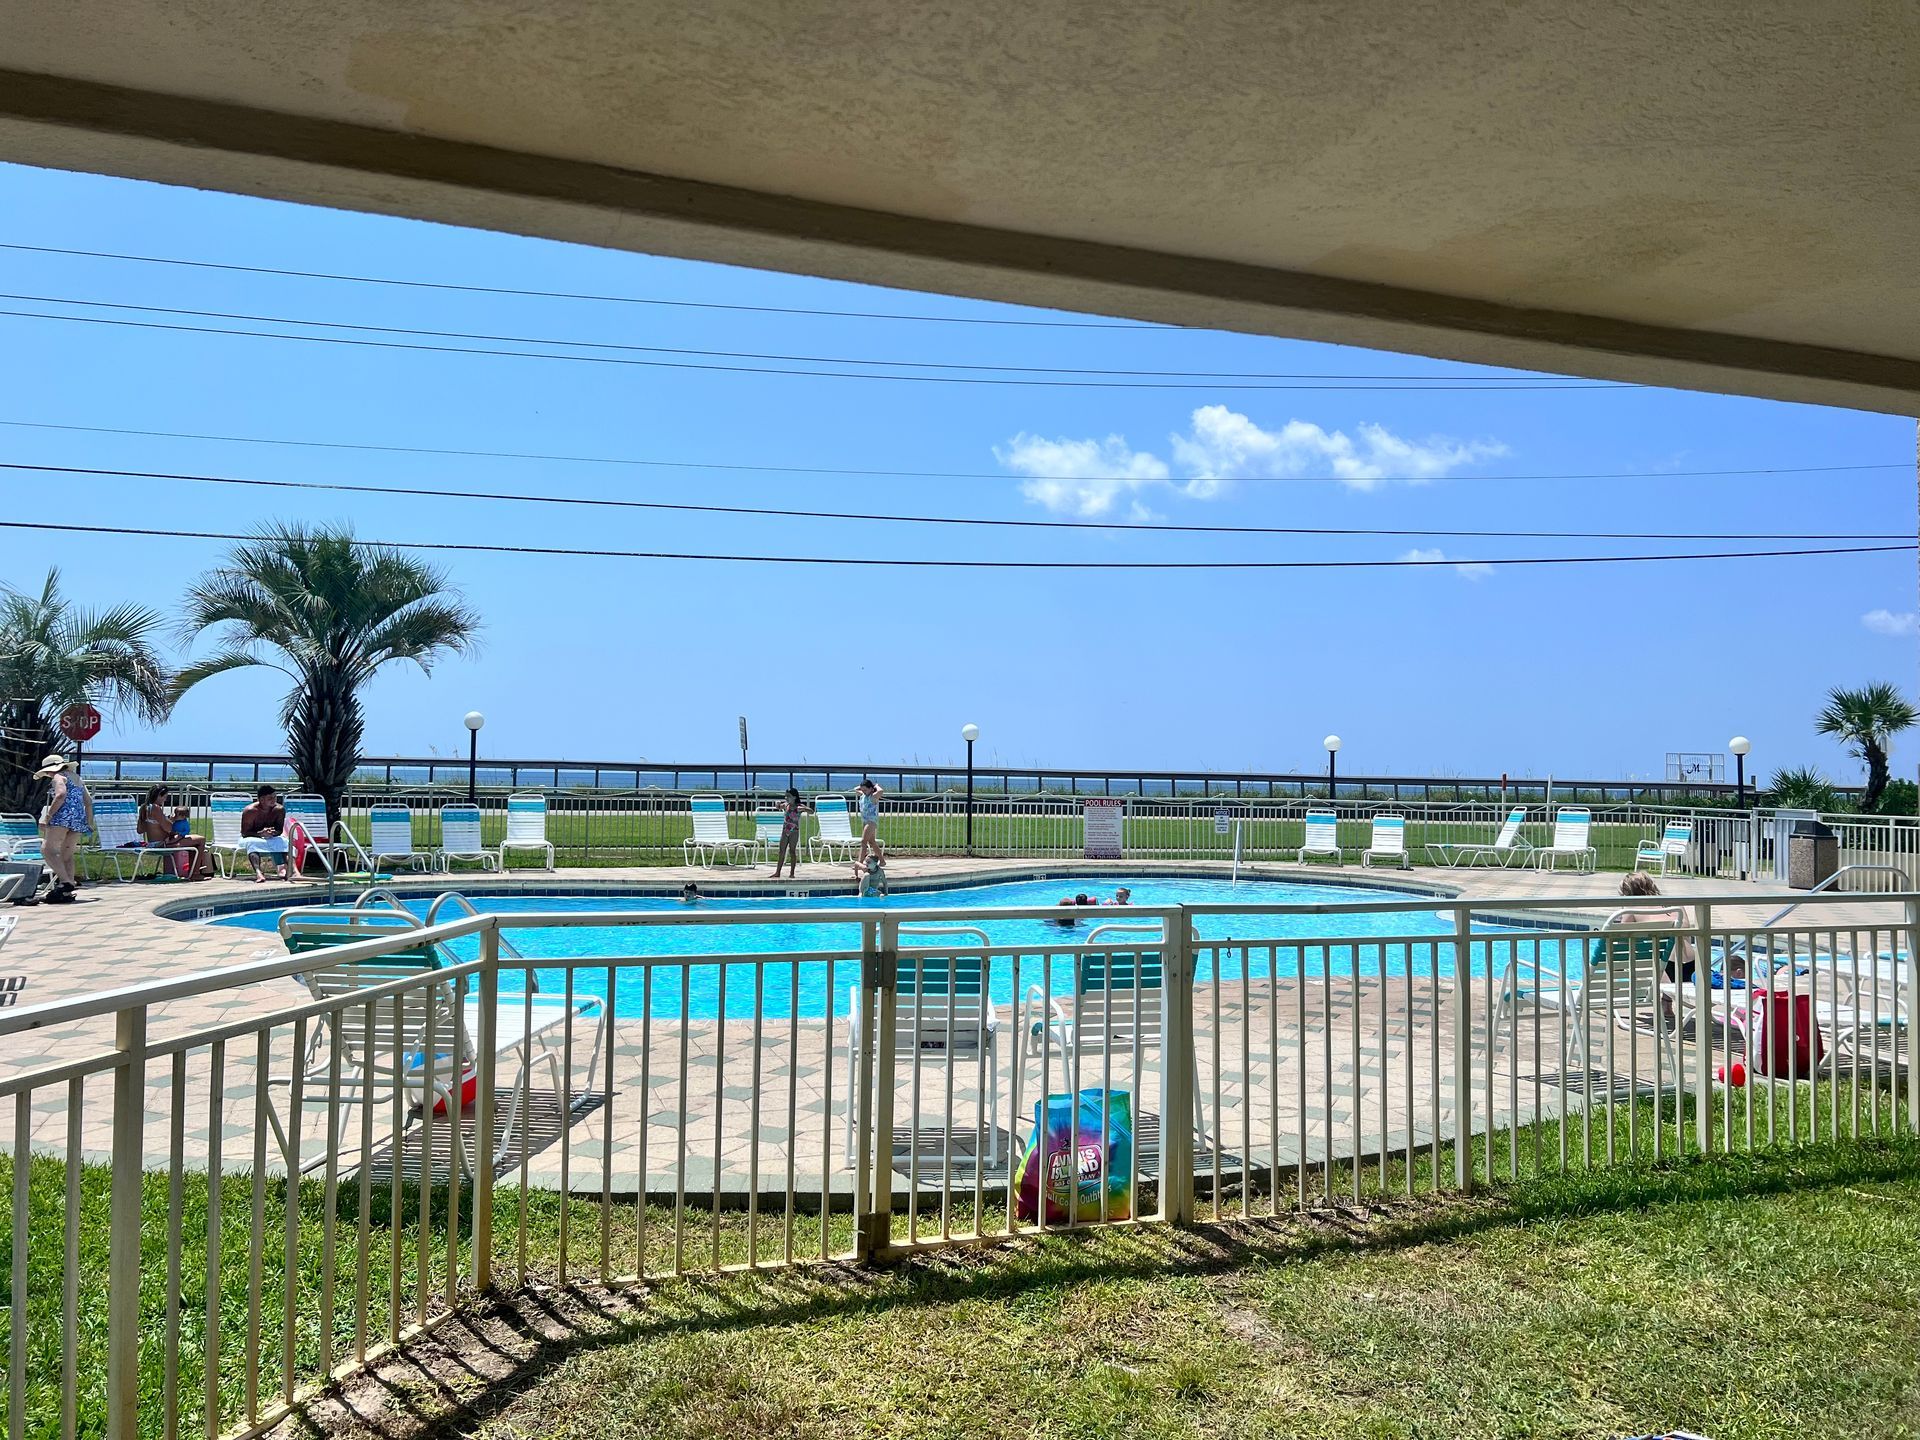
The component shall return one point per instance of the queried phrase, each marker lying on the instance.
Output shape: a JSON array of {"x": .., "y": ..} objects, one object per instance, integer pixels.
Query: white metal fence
[
  {"x": 219, "y": 1217},
  {"x": 606, "y": 829}
]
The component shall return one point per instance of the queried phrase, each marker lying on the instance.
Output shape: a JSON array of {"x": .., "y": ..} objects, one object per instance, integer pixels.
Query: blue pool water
[{"x": 809, "y": 987}]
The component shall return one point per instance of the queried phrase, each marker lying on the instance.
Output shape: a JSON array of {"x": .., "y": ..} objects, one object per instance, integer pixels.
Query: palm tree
[
  {"x": 1865, "y": 721},
  {"x": 1801, "y": 787},
  {"x": 328, "y": 612},
  {"x": 52, "y": 656}
]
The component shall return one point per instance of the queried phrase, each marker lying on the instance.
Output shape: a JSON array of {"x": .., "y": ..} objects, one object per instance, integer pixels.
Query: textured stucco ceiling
[{"x": 1715, "y": 194}]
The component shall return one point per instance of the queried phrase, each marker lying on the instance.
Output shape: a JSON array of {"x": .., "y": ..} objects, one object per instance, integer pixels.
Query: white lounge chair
[
  {"x": 1322, "y": 837},
  {"x": 460, "y": 839},
  {"x": 941, "y": 1012},
  {"x": 526, "y": 826},
  {"x": 1669, "y": 850},
  {"x": 227, "y": 846},
  {"x": 8, "y": 885},
  {"x": 767, "y": 826},
  {"x": 1572, "y": 826},
  {"x": 374, "y": 1059},
  {"x": 1389, "y": 842},
  {"x": 390, "y": 831},
  {"x": 835, "y": 824},
  {"x": 1507, "y": 846},
  {"x": 1116, "y": 1013},
  {"x": 116, "y": 821},
  {"x": 19, "y": 837},
  {"x": 710, "y": 834},
  {"x": 1620, "y": 981},
  {"x": 310, "y": 813}
]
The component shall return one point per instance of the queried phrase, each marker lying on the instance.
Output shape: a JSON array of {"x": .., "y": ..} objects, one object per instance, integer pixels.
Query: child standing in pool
[
  {"x": 868, "y": 794},
  {"x": 789, "y": 851},
  {"x": 872, "y": 877}
]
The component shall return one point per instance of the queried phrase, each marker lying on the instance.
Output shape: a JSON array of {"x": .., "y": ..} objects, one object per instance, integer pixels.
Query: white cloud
[
  {"x": 1224, "y": 443},
  {"x": 1081, "y": 477},
  {"x": 1086, "y": 477},
  {"x": 1469, "y": 569},
  {"x": 1886, "y": 622}
]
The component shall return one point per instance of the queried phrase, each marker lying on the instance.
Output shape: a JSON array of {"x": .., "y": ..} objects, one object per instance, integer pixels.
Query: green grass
[
  {"x": 654, "y": 838},
  {"x": 1555, "y": 1303},
  {"x": 1748, "y": 1298}
]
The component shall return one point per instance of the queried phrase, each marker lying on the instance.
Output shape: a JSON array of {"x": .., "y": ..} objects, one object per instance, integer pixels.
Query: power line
[
  {"x": 576, "y": 295},
  {"x": 335, "y": 487},
  {"x": 772, "y": 370},
  {"x": 843, "y": 472},
  {"x": 1440, "y": 381},
  {"x": 897, "y": 562}
]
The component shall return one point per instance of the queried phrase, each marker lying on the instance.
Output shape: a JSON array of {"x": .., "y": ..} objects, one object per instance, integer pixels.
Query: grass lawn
[
  {"x": 1753, "y": 1295},
  {"x": 1747, "y": 1298}
]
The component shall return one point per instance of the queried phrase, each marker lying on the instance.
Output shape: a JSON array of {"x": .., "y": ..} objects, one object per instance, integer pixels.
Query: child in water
[{"x": 872, "y": 877}]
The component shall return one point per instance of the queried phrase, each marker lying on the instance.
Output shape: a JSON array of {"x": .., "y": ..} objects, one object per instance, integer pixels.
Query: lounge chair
[
  {"x": 8, "y": 885},
  {"x": 835, "y": 829},
  {"x": 1507, "y": 846},
  {"x": 1117, "y": 1010},
  {"x": 526, "y": 826},
  {"x": 310, "y": 813},
  {"x": 941, "y": 1011},
  {"x": 375, "y": 1059},
  {"x": 1620, "y": 981},
  {"x": 460, "y": 839},
  {"x": 1389, "y": 842},
  {"x": 116, "y": 820},
  {"x": 1572, "y": 825},
  {"x": 1322, "y": 837},
  {"x": 227, "y": 846},
  {"x": 767, "y": 827},
  {"x": 1669, "y": 850},
  {"x": 19, "y": 837},
  {"x": 710, "y": 834},
  {"x": 390, "y": 828}
]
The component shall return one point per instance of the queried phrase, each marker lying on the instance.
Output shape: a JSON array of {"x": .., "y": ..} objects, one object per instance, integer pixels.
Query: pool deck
[{"x": 114, "y": 938}]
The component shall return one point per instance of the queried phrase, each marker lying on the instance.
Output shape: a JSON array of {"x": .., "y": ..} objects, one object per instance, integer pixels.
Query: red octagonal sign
[{"x": 80, "y": 723}]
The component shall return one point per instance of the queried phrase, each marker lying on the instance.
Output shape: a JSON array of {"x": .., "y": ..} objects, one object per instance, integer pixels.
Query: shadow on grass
[{"x": 480, "y": 1361}]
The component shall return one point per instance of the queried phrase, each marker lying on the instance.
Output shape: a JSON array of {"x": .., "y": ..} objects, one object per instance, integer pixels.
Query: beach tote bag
[
  {"x": 299, "y": 845},
  {"x": 1782, "y": 1039},
  {"x": 1067, "y": 1181}
]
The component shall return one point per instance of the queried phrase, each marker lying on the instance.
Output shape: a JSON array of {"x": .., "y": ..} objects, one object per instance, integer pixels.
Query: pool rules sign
[{"x": 1102, "y": 822}]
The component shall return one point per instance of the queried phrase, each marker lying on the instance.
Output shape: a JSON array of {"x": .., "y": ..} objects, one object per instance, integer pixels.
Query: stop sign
[{"x": 80, "y": 723}]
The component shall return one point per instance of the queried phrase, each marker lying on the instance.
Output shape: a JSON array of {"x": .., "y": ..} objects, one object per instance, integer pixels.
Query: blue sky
[{"x": 1590, "y": 670}]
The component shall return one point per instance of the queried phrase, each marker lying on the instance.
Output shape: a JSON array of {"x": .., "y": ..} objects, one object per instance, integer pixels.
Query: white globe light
[
  {"x": 475, "y": 719},
  {"x": 1739, "y": 745},
  {"x": 1332, "y": 742},
  {"x": 969, "y": 733}
]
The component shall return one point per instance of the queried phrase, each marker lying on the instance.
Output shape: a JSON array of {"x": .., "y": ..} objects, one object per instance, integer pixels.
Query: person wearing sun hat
[{"x": 69, "y": 816}]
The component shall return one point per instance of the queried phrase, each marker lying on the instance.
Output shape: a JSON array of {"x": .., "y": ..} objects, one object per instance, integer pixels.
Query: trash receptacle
[{"x": 1813, "y": 854}]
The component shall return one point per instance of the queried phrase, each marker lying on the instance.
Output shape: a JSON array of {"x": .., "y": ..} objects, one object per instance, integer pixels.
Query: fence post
[
  {"x": 123, "y": 1225},
  {"x": 487, "y": 1043},
  {"x": 1463, "y": 1048},
  {"x": 1702, "y": 1032},
  {"x": 1176, "y": 1124},
  {"x": 1913, "y": 1002},
  {"x": 873, "y": 1172}
]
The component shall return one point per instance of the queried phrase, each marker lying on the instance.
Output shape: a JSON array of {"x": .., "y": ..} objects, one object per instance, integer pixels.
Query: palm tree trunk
[
  {"x": 1876, "y": 776},
  {"x": 323, "y": 736}
]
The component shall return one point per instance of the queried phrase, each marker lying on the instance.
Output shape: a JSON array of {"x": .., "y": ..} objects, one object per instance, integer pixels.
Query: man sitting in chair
[{"x": 263, "y": 826}]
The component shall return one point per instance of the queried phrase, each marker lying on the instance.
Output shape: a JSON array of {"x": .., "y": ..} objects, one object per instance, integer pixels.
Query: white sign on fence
[
  {"x": 1103, "y": 820},
  {"x": 1222, "y": 821}
]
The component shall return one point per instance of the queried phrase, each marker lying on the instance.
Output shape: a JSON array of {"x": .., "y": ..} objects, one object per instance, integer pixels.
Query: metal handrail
[
  {"x": 507, "y": 947},
  {"x": 1831, "y": 881}
]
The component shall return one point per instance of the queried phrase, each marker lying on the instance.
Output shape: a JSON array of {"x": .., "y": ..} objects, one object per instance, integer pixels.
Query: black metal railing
[{"x": 432, "y": 772}]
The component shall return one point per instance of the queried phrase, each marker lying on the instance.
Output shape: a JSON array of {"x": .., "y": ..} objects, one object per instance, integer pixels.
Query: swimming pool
[{"x": 811, "y": 988}]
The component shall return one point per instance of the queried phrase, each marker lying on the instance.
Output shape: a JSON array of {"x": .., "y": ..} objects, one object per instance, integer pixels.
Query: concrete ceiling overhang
[{"x": 1715, "y": 195}]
